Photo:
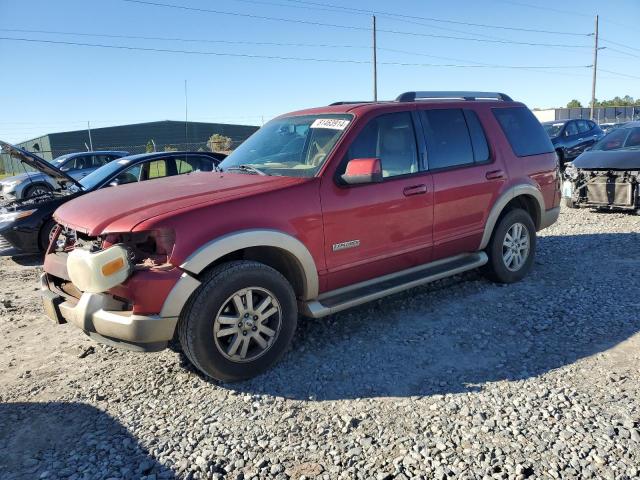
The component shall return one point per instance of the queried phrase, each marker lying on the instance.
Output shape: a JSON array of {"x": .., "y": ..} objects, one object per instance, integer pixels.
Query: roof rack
[
  {"x": 413, "y": 96},
  {"x": 350, "y": 102}
]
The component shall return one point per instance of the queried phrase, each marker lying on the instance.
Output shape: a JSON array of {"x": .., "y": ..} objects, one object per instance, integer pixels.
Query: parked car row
[
  {"x": 26, "y": 222},
  {"x": 224, "y": 261}
]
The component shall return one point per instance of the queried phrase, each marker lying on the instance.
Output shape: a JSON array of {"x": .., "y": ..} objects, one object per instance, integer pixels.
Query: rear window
[{"x": 523, "y": 130}]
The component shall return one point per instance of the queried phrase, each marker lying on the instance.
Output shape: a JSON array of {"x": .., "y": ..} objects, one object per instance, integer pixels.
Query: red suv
[{"x": 320, "y": 210}]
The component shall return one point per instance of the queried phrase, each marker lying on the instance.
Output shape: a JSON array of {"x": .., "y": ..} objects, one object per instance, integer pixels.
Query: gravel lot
[{"x": 459, "y": 379}]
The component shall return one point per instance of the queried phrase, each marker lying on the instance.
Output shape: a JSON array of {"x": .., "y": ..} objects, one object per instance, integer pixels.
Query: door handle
[
  {"x": 495, "y": 175},
  {"x": 415, "y": 190}
]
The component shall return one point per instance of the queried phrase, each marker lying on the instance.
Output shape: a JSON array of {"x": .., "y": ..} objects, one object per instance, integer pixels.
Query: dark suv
[
  {"x": 319, "y": 211},
  {"x": 572, "y": 137}
]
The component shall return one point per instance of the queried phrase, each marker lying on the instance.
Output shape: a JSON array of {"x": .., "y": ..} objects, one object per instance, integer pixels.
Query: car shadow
[
  {"x": 457, "y": 334},
  {"x": 70, "y": 439},
  {"x": 28, "y": 259}
]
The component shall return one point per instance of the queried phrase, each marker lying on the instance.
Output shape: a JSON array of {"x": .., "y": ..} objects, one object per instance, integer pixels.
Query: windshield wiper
[{"x": 246, "y": 168}]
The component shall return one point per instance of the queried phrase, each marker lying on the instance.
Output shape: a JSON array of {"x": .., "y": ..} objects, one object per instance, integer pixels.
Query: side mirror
[
  {"x": 65, "y": 169},
  {"x": 114, "y": 183},
  {"x": 363, "y": 170}
]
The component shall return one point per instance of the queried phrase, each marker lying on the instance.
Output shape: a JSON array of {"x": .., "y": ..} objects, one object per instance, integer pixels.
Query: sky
[{"x": 51, "y": 87}]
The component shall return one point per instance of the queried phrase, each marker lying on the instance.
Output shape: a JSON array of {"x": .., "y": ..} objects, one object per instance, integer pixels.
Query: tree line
[{"x": 626, "y": 101}]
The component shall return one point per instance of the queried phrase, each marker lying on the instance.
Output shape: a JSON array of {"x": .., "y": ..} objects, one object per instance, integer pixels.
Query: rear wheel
[
  {"x": 239, "y": 322},
  {"x": 37, "y": 190},
  {"x": 512, "y": 247}
]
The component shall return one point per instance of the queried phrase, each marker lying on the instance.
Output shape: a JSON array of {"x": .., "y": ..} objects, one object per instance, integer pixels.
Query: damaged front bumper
[
  {"x": 105, "y": 318},
  {"x": 619, "y": 190}
]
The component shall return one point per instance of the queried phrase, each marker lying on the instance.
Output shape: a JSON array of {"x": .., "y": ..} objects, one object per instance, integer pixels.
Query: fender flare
[
  {"x": 221, "y": 246},
  {"x": 501, "y": 203}
]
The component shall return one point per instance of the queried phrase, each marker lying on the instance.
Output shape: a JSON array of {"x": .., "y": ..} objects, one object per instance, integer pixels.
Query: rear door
[
  {"x": 467, "y": 178},
  {"x": 379, "y": 228}
]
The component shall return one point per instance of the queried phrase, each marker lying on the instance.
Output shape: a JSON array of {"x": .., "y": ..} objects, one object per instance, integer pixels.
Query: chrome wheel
[
  {"x": 515, "y": 247},
  {"x": 247, "y": 324}
]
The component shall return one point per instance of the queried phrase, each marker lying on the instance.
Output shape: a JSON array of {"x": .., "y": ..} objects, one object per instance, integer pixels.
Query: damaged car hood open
[{"x": 40, "y": 165}]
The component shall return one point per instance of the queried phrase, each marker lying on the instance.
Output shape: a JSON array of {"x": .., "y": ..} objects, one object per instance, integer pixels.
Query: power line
[
  {"x": 622, "y": 52},
  {"x": 431, "y": 19},
  {"x": 620, "y": 74},
  {"x": 350, "y": 27},
  {"x": 277, "y": 57},
  {"x": 620, "y": 44}
]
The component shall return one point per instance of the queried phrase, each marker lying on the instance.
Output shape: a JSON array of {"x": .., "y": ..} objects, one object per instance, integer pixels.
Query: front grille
[{"x": 606, "y": 191}]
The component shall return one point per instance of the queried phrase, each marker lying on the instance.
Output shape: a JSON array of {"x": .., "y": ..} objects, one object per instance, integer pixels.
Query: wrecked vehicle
[
  {"x": 26, "y": 225},
  {"x": 75, "y": 165},
  {"x": 608, "y": 175}
]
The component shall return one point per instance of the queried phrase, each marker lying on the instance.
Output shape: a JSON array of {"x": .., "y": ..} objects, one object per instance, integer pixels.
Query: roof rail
[
  {"x": 350, "y": 102},
  {"x": 413, "y": 96}
]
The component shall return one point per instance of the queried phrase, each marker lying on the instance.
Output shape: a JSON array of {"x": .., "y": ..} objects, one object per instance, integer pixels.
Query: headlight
[
  {"x": 8, "y": 186},
  {"x": 13, "y": 216}
]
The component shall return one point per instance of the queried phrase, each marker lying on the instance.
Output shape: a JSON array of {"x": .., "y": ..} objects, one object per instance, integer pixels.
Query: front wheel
[
  {"x": 511, "y": 248},
  {"x": 239, "y": 322}
]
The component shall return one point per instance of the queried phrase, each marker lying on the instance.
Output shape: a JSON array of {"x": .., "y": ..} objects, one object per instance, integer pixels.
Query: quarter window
[
  {"x": 523, "y": 130},
  {"x": 391, "y": 138},
  {"x": 448, "y": 139}
]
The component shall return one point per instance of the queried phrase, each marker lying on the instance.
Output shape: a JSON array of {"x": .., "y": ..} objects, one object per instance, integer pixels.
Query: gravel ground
[{"x": 459, "y": 379}]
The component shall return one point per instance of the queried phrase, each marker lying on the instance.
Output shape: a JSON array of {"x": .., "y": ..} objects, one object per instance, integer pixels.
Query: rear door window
[
  {"x": 447, "y": 137},
  {"x": 523, "y": 131}
]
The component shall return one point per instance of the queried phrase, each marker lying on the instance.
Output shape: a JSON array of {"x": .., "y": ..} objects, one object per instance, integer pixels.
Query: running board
[{"x": 359, "y": 293}]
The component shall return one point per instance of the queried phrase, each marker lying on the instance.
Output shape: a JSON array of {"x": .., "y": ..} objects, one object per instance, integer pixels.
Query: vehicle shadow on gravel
[
  {"x": 28, "y": 259},
  {"x": 457, "y": 334},
  {"x": 64, "y": 439}
]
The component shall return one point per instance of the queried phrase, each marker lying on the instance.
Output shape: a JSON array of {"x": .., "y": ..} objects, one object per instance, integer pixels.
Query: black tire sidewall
[
  {"x": 208, "y": 300},
  {"x": 498, "y": 270},
  {"x": 43, "y": 236},
  {"x": 27, "y": 193}
]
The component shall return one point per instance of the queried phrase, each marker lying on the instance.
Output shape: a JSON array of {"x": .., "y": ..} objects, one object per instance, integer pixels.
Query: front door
[{"x": 379, "y": 228}]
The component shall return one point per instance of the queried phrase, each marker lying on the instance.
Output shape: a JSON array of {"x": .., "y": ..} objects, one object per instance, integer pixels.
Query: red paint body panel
[{"x": 399, "y": 223}]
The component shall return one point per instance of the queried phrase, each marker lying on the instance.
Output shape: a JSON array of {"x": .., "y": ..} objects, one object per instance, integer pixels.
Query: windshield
[
  {"x": 553, "y": 129},
  {"x": 620, "y": 138},
  {"x": 290, "y": 147},
  {"x": 98, "y": 176}
]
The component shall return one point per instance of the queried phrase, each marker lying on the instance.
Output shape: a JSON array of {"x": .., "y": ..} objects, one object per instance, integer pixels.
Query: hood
[
  {"x": 609, "y": 160},
  {"x": 121, "y": 208},
  {"x": 39, "y": 164}
]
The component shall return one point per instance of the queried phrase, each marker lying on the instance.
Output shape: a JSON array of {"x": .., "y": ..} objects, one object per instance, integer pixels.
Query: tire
[
  {"x": 214, "y": 308},
  {"x": 497, "y": 268},
  {"x": 569, "y": 203},
  {"x": 35, "y": 190},
  {"x": 44, "y": 237}
]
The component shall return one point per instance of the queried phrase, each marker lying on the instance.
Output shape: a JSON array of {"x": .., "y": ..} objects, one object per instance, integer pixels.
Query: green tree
[
  {"x": 574, "y": 104},
  {"x": 219, "y": 143},
  {"x": 150, "y": 146}
]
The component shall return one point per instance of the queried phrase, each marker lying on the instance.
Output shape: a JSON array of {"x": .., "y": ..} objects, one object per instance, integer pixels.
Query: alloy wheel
[
  {"x": 247, "y": 324},
  {"x": 515, "y": 247}
]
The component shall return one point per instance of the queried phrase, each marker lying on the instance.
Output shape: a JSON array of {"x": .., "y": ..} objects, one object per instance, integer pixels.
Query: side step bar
[{"x": 347, "y": 297}]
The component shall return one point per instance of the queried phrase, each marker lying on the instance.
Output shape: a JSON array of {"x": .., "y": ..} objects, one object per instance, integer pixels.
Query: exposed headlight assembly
[
  {"x": 97, "y": 272},
  {"x": 571, "y": 171}
]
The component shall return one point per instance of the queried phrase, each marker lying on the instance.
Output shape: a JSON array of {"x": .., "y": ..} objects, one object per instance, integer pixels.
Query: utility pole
[
  {"x": 90, "y": 141},
  {"x": 595, "y": 70},
  {"x": 375, "y": 62}
]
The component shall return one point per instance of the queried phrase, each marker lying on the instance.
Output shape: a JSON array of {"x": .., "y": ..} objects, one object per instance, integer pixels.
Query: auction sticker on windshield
[{"x": 332, "y": 123}]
